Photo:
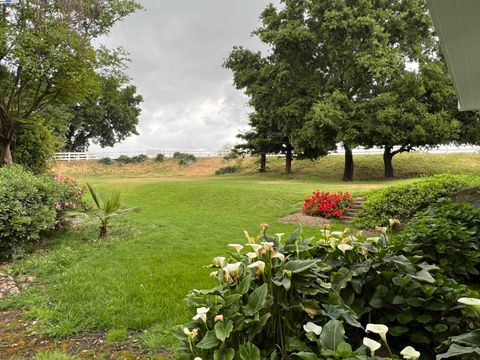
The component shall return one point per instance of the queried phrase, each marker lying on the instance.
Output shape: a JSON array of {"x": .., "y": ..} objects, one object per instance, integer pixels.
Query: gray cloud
[{"x": 177, "y": 49}]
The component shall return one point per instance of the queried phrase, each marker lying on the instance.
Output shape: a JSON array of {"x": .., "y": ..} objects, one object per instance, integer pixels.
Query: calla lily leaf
[
  {"x": 256, "y": 300},
  {"x": 209, "y": 341}
]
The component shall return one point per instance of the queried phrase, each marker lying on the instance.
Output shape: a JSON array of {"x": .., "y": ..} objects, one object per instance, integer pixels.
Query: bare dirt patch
[
  {"x": 301, "y": 218},
  {"x": 18, "y": 338}
]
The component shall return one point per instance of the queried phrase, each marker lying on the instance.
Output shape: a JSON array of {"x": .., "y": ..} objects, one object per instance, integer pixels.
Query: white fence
[{"x": 77, "y": 156}]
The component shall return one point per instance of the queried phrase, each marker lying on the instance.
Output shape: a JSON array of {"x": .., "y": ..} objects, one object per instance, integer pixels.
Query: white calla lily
[
  {"x": 201, "y": 314},
  {"x": 371, "y": 344},
  {"x": 259, "y": 265},
  {"x": 218, "y": 318},
  {"x": 472, "y": 302},
  {"x": 191, "y": 334},
  {"x": 410, "y": 353},
  {"x": 344, "y": 247},
  {"x": 312, "y": 327},
  {"x": 337, "y": 233},
  {"x": 231, "y": 271},
  {"x": 251, "y": 255},
  {"x": 268, "y": 246},
  {"x": 255, "y": 247},
  {"x": 382, "y": 229},
  {"x": 279, "y": 236},
  {"x": 197, "y": 358},
  {"x": 237, "y": 247},
  {"x": 279, "y": 256},
  {"x": 219, "y": 261},
  {"x": 214, "y": 274},
  {"x": 379, "y": 329}
]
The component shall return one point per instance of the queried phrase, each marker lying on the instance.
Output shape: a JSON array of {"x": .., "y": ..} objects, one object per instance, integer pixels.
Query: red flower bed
[{"x": 326, "y": 204}]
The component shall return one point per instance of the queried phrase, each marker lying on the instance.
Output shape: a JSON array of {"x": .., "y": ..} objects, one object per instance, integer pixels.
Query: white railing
[{"x": 77, "y": 156}]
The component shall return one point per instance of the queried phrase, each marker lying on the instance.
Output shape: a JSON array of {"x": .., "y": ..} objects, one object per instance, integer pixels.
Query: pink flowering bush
[{"x": 70, "y": 196}]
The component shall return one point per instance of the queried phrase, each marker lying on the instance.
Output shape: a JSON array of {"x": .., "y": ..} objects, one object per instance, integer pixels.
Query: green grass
[{"x": 137, "y": 278}]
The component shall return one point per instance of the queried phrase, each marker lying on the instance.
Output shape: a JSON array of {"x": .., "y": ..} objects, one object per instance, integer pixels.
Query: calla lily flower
[
  {"x": 231, "y": 270},
  {"x": 279, "y": 236},
  {"x": 219, "y": 261},
  {"x": 251, "y": 256},
  {"x": 191, "y": 334},
  {"x": 344, "y": 247},
  {"x": 393, "y": 222},
  {"x": 260, "y": 265},
  {"x": 410, "y": 353},
  {"x": 255, "y": 247},
  {"x": 268, "y": 246},
  {"x": 382, "y": 229},
  {"x": 472, "y": 302},
  {"x": 214, "y": 274},
  {"x": 312, "y": 327},
  {"x": 379, "y": 329},
  {"x": 197, "y": 358},
  {"x": 237, "y": 247},
  {"x": 287, "y": 273},
  {"x": 201, "y": 314},
  {"x": 371, "y": 344},
  {"x": 337, "y": 233},
  {"x": 249, "y": 238},
  {"x": 218, "y": 318},
  {"x": 279, "y": 256}
]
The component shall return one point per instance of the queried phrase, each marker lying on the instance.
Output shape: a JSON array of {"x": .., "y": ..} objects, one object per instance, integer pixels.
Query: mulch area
[
  {"x": 301, "y": 218},
  {"x": 18, "y": 338}
]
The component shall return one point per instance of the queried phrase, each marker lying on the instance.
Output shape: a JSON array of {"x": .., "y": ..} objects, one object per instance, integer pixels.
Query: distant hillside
[{"x": 330, "y": 168}]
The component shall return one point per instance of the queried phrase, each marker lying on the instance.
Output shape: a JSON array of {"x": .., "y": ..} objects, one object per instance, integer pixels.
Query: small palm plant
[{"x": 106, "y": 209}]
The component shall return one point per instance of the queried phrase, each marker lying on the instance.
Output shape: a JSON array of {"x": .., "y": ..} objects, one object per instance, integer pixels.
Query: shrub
[
  {"x": 227, "y": 170},
  {"x": 160, "y": 158},
  {"x": 124, "y": 159},
  {"x": 403, "y": 201},
  {"x": 232, "y": 154},
  {"x": 105, "y": 161},
  {"x": 70, "y": 197},
  {"x": 27, "y": 207},
  {"x": 326, "y": 204},
  {"x": 447, "y": 234},
  {"x": 187, "y": 159},
  {"x": 178, "y": 155},
  {"x": 306, "y": 298},
  {"x": 138, "y": 159}
]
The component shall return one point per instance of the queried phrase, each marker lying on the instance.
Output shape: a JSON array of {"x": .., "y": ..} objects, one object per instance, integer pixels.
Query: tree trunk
[
  {"x": 263, "y": 163},
  {"x": 288, "y": 159},
  {"x": 388, "y": 162},
  {"x": 5, "y": 153},
  {"x": 349, "y": 164}
]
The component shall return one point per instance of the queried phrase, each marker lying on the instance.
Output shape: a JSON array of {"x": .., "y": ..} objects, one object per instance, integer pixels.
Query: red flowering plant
[
  {"x": 326, "y": 204},
  {"x": 70, "y": 196}
]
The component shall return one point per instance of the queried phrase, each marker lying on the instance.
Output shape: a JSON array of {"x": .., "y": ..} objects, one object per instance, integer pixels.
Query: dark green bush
[
  {"x": 138, "y": 159},
  {"x": 124, "y": 159},
  {"x": 27, "y": 207},
  {"x": 227, "y": 170},
  {"x": 231, "y": 155},
  {"x": 447, "y": 234},
  {"x": 186, "y": 159},
  {"x": 160, "y": 158},
  {"x": 403, "y": 201},
  {"x": 105, "y": 161},
  {"x": 178, "y": 155}
]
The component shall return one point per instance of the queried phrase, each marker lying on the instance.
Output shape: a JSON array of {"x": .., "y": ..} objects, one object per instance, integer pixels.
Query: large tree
[
  {"x": 106, "y": 116},
  {"x": 283, "y": 85},
  {"x": 361, "y": 46},
  {"x": 47, "y": 56}
]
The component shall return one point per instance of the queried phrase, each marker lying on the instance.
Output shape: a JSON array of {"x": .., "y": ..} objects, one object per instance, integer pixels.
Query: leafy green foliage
[
  {"x": 106, "y": 209},
  {"x": 137, "y": 159},
  {"x": 403, "y": 201},
  {"x": 184, "y": 158},
  {"x": 306, "y": 297},
  {"x": 465, "y": 346},
  {"x": 105, "y": 161},
  {"x": 231, "y": 169},
  {"x": 447, "y": 234},
  {"x": 26, "y": 208},
  {"x": 160, "y": 157}
]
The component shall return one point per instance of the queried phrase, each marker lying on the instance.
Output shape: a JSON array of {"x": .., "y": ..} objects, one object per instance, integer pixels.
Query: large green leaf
[
  {"x": 458, "y": 350},
  {"x": 295, "y": 344},
  {"x": 332, "y": 335},
  {"x": 256, "y": 300},
  {"x": 306, "y": 355},
  {"x": 298, "y": 266},
  {"x": 224, "y": 354},
  {"x": 469, "y": 339},
  {"x": 257, "y": 325},
  {"x": 223, "y": 330},
  {"x": 341, "y": 279},
  {"x": 249, "y": 351},
  {"x": 209, "y": 341}
]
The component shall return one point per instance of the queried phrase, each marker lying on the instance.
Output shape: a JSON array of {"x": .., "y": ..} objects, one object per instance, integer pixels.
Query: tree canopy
[{"x": 48, "y": 59}]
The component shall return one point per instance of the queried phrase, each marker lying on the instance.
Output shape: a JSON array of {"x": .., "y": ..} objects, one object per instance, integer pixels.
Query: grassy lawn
[{"x": 137, "y": 278}]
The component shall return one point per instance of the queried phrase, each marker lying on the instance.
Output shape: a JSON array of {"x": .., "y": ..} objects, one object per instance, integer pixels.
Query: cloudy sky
[{"x": 177, "y": 49}]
